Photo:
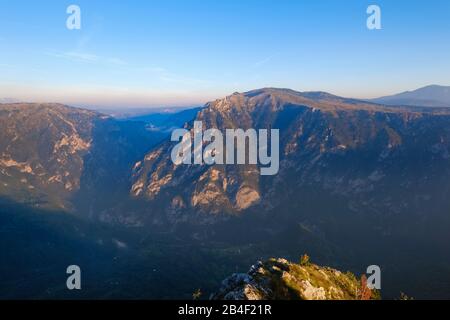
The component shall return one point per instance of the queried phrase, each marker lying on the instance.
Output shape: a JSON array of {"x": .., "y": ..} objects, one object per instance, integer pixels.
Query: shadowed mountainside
[{"x": 50, "y": 152}]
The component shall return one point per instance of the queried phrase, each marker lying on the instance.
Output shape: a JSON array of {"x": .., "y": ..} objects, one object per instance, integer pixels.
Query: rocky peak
[{"x": 279, "y": 279}]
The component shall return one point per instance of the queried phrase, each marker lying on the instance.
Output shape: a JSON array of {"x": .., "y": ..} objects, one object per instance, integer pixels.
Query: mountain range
[
  {"x": 8, "y": 100},
  {"x": 321, "y": 135},
  {"x": 429, "y": 96},
  {"x": 360, "y": 183}
]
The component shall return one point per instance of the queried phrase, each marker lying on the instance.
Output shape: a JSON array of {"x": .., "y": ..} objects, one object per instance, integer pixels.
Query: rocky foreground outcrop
[{"x": 279, "y": 279}]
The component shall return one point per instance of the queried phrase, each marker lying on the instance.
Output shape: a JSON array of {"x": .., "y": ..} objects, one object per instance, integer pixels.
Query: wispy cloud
[
  {"x": 159, "y": 73},
  {"x": 262, "y": 62},
  {"x": 87, "y": 58},
  {"x": 83, "y": 41}
]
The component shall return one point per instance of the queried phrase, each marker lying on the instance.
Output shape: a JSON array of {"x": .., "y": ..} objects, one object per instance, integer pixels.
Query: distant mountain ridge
[
  {"x": 429, "y": 96},
  {"x": 8, "y": 100}
]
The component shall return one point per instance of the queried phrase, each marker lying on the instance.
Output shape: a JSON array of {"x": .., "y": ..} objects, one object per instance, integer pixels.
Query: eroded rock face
[
  {"x": 246, "y": 197},
  {"x": 41, "y": 151},
  {"x": 278, "y": 279},
  {"x": 58, "y": 157}
]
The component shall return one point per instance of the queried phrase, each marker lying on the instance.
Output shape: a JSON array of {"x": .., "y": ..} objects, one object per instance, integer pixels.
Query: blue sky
[{"x": 166, "y": 52}]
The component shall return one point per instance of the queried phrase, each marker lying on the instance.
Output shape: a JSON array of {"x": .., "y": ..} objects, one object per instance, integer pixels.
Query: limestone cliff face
[
  {"x": 213, "y": 189},
  {"x": 278, "y": 279}
]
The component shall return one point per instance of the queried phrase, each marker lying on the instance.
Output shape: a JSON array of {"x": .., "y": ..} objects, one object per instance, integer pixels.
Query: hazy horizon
[{"x": 136, "y": 108}]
